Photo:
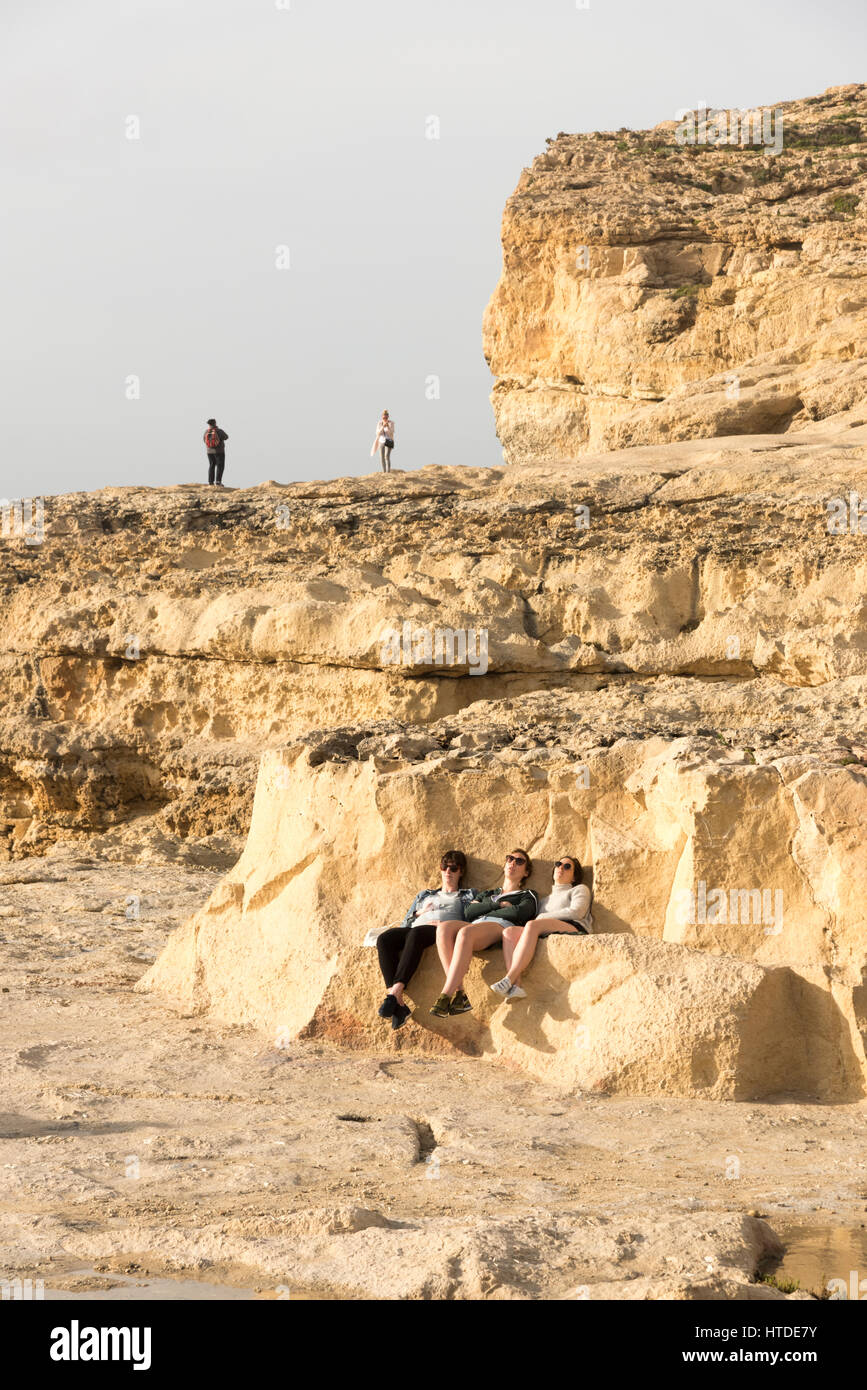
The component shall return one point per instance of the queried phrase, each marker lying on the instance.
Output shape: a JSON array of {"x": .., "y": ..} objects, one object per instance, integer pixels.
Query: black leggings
[
  {"x": 216, "y": 464},
  {"x": 400, "y": 951}
]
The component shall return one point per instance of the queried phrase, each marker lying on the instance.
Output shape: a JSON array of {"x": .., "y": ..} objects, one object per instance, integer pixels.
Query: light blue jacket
[{"x": 465, "y": 896}]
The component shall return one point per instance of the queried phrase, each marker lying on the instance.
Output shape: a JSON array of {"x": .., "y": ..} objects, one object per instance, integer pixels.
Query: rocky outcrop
[
  {"x": 688, "y": 845},
  {"x": 662, "y": 285}
]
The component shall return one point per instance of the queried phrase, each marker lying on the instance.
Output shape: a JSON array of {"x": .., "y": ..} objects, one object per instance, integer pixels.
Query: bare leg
[
  {"x": 511, "y": 937},
  {"x": 446, "y": 934},
  {"x": 469, "y": 939},
  {"x": 527, "y": 945}
]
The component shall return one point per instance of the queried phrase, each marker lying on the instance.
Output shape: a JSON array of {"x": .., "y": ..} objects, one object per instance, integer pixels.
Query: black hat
[{"x": 211, "y": 422}]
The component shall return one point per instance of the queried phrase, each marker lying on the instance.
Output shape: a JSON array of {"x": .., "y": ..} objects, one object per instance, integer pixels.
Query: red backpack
[{"x": 212, "y": 438}]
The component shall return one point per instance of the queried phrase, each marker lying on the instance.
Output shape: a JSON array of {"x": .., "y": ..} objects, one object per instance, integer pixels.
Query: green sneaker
[
  {"x": 442, "y": 1007},
  {"x": 460, "y": 1004}
]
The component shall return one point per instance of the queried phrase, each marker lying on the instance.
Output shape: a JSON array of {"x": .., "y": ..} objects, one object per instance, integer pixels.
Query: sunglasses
[
  {"x": 454, "y": 868},
  {"x": 563, "y": 864},
  {"x": 514, "y": 859}
]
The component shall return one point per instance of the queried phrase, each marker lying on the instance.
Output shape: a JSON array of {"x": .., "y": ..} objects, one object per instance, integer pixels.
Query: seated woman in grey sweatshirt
[
  {"x": 566, "y": 911},
  {"x": 401, "y": 948}
]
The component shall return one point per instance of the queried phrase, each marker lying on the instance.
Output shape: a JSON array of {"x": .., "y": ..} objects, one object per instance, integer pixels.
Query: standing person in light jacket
[
  {"x": 565, "y": 911},
  {"x": 384, "y": 440},
  {"x": 400, "y": 948},
  {"x": 487, "y": 916},
  {"x": 215, "y": 443}
]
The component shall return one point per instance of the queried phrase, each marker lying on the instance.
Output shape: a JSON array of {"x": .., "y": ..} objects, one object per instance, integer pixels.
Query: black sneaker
[
  {"x": 402, "y": 1013},
  {"x": 388, "y": 1007},
  {"x": 460, "y": 1004}
]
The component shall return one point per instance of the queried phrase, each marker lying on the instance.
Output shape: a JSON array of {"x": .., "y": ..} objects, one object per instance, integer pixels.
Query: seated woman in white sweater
[{"x": 566, "y": 911}]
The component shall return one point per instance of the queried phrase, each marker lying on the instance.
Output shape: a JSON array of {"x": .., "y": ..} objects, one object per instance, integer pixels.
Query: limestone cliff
[{"x": 655, "y": 289}]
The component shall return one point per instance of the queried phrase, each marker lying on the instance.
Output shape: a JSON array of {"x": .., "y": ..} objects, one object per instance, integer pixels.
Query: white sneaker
[
  {"x": 503, "y": 986},
  {"x": 516, "y": 993}
]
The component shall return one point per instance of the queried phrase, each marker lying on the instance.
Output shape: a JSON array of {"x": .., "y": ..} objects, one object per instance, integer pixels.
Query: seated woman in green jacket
[{"x": 485, "y": 917}]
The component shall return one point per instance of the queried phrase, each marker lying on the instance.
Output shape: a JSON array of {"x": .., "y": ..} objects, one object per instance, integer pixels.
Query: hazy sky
[{"x": 302, "y": 124}]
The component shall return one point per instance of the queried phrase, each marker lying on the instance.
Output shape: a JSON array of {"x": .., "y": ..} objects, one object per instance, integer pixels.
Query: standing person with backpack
[
  {"x": 384, "y": 440},
  {"x": 215, "y": 443}
]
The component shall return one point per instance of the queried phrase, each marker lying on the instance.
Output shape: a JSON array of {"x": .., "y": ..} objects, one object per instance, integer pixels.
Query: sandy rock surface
[{"x": 136, "y": 1142}]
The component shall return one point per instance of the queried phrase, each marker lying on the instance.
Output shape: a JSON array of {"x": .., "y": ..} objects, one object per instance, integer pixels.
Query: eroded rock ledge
[{"x": 159, "y": 639}]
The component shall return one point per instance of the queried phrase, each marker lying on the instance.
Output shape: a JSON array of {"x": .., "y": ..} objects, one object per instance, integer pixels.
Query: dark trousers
[
  {"x": 216, "y": 462},
  {"x": 400, "y": 951}
]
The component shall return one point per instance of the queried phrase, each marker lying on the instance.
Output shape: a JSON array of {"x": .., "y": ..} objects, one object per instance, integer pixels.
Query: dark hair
[
  {"x": 529, "y": 864},
  {"x": 210, "y": 422},
  {"x": 577, "y": 871},
  {"x": 455, "y": 856}
]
